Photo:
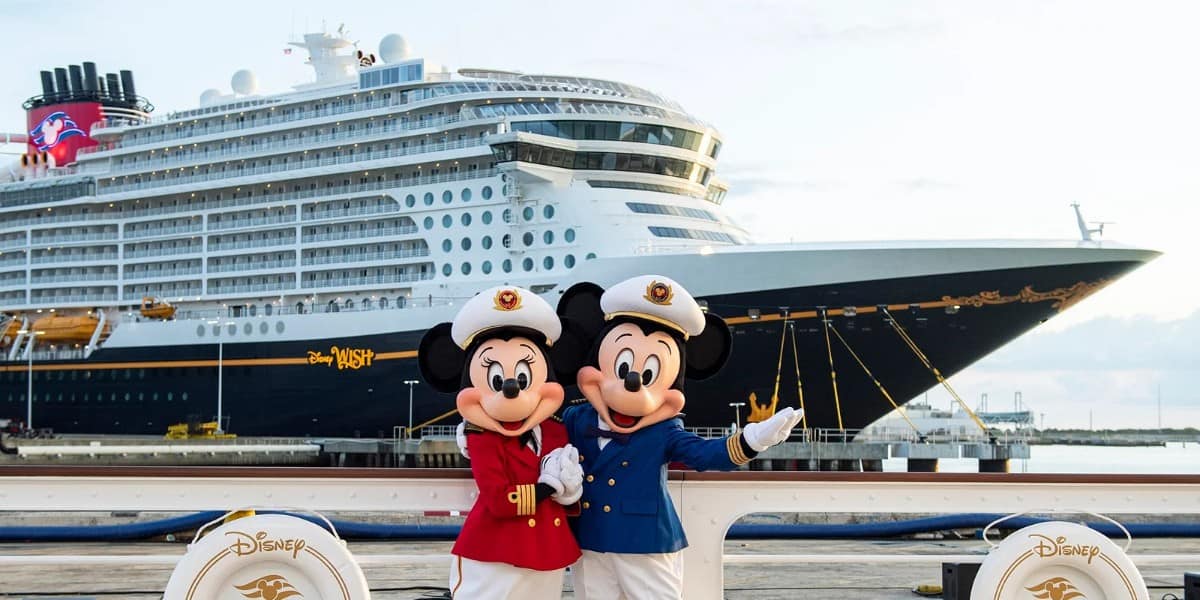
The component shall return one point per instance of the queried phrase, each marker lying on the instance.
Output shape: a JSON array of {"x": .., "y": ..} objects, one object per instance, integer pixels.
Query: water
[{"x": 1172, "y": 458}]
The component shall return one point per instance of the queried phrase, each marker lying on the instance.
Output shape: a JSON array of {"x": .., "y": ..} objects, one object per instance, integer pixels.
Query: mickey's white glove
[
  {"x": 551, "y": 469},
  {"x": 571, "y": 475},
  {"x": 760, "y": 436},
  {"x": 460, "y": 437}
]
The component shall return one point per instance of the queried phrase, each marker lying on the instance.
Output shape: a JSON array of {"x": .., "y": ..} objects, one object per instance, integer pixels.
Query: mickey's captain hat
[
  {"x": 505, "y": 306},
  {"x": 654, "y": 298}
]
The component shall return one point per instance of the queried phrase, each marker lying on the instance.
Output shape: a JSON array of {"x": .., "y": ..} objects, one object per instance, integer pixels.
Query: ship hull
[{"x": 352, "y": 386}]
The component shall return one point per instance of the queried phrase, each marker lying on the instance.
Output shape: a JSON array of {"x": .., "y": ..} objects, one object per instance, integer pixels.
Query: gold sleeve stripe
[
  {"x": 733, "y": 444},
  {"x": 526, "y": 500}
]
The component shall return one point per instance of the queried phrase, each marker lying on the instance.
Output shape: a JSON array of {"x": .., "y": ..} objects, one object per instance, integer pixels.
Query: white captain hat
[
  {"x": 504, "y": 306},
  {"x": 654, "y": 298}
]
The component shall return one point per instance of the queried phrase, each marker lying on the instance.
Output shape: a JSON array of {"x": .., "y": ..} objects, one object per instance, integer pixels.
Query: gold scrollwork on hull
[{"x": 1064, "y": 297}]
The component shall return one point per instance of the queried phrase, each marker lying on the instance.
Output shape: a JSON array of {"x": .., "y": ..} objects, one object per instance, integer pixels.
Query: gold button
[
  {"x": 607, "y": 508},
  {"x": 624, "y": 463},
  {"x": 590, "y": 479},
  {"x": 587, "y": 504},
  {"x": 612, "y": 482},
  {"x": 532, "y": 522},
  {"x": 580, "y": 458},
  {"x": 557, "y": 521}
]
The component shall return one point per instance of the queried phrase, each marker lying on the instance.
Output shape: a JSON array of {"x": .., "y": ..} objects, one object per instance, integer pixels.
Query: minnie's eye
[
  {"x": 524, "y": 375},
  {"x": 496, "y": 376},
  {"x": 624, "y": 363},
  {"x": 650, "y": 371}
]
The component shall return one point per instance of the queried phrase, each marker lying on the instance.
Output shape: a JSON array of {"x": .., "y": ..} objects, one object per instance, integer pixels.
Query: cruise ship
[{"x": 272, "y": 260}]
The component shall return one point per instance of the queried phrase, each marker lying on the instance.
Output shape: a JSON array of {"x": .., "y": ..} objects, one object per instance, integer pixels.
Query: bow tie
[{"x": 596, "y": 432}]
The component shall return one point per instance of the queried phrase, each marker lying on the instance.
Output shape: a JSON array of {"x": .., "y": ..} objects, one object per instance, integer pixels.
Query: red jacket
[{"x": 507, "y": 523}]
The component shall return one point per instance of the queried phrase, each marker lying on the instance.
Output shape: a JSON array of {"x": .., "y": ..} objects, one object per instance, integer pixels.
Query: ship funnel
[
  {"x": 47, "y": 83},
  {"x": 76, "y": 79},
  {"x": 127, "y": 85},
  {"x": 90, "y": 81},
  {"x": 61, "y": 89},
  {"x": 114, "y": 86}
]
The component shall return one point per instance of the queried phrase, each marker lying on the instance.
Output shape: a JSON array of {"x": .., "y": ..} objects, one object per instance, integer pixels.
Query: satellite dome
[
  {"x": 244, "y": 82},
  {"x": 394, "y": 48},
  {"x": 209, "y": 96}
]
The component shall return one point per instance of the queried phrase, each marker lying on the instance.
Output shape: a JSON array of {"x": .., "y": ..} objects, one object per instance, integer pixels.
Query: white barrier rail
[{"x": 708, "y": 503}]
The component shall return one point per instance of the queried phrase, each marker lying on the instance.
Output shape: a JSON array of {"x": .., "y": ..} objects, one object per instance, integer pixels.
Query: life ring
[
  {"x": 1056, "y": 560},
  {"x": 268, "y": 557}
]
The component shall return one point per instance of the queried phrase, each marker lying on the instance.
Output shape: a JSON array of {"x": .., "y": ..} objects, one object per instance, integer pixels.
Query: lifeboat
[
  {"x": 66, "y": 328},
  {"x": 153, "y": 308},
  {"x": 9, "y": 326}
]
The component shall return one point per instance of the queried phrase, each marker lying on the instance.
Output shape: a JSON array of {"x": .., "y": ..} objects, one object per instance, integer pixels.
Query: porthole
[
  {"x": 447, "y": 196},
  {"x": 548, "y": 263},
  {"x": 428, "y": 198},
  {"x": 141, "y": 396},
  {"x": 466, "y": 194},
  {"x": 486, "y": 267},
  {"x": 216, "y": 331},
  {"x": 447, "y": 245},
  {"x": 506, "y": 241},
  {"x": 487, "y": 192},
  {"x": 548, "y": 212},
  {"x": 466, "y": 243},
  {"x": 249, "y": 329},
  {"x": 254, "y": 310},
  {"x": 548, "y": 237},
  {"x": 569, "y": 261},
  {"x": 527, "y": 239},
  {"x": 263, "y": 328},
  {"x": 527, "y": 213},
  {"x": 410, "y": 201},
  {"x": 447, "y": 269},
  {"x": 232, "y": 329},
  {"x": 127, "y": 396},
  {"x": 466, "y": 268},
  {"x": 268, "y": 309},
  {"x": 487, "y": 218},
  {"x": 465, "y": 219},
  {"x": 487, "y": 242},
  {"x": 569, "y": 235},
  {"x": 183, "y": 396},
  {"x": 199, "y": 331},
  {"x": 590, "y": 256},
  {"x": 447, "y": 221},
  {"x": 428, "y": 222},
  {"x": 506, "y": 265},
  {"x": 278, "y": 326},
  {"x": 527, "y": 264},
  {"x": 506, "y": 216},
  {"x": 170, "y": 396}
]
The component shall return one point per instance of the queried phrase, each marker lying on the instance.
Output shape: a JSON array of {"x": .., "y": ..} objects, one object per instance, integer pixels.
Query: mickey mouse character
[
  {"x": 649, "y": 334},
  {"x": 516, "y": 541}
]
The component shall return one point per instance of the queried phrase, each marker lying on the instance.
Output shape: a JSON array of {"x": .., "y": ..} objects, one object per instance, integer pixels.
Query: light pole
[
  {"x": 737, "y": 414},
  {"x": 29, "y": 376},
  {"x": 410, "y": 383}
]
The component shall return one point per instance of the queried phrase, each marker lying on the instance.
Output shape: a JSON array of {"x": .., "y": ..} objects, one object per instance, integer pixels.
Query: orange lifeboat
[
  {"x": 9, "y": 327},
  {"x": 153, "y": 308},
  {"x": 64, "y": 328}
]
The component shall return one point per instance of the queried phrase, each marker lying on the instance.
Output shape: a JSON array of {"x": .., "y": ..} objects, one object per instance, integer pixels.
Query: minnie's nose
[
  {"x": 633, "y": 381},
  {"x": 511, "y": 388}
]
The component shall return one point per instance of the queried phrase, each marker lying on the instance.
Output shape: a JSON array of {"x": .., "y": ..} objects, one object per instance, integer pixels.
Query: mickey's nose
[
  {"x": 511, "y": 388},
  {"x": 633, "y": 381}
]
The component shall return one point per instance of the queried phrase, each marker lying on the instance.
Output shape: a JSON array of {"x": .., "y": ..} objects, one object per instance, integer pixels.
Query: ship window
[
  {"x": 410, "y": 201},
  {"x": 548, "y": 262},
  {"x": 569, "y": 261},
  {"x": 248, "y": 328},
  {"x": 466, "y": 194},
  {"x": 428, "y": 222},
  {"x": 466, "y": 243},
  {"x": 486, "y": 267},
  {"x": 199, "y": 331},
  {"x": 428, "y": 198},
  {"x": 527, "y": 239},
  {"x": 253, "y": 311},
  {"x": 466, "y": 219},
  {"x": 447, "y": 245},
  {"x": 590, "y": 256},
  {"x": 399, "y": 301},
  {"x": 487, "y": 242},
  {"x": 527, "y": 213},
  {"x": 447, "y": 196},
  {"x": 506, "y": 265},
  {"x": 299, "y": 308},
  {"x": 268, "y": 309},
  {"x": 487, "y": 218},
  {"x": 263, "y": 327},
  {"x": 232, "y": 329},
  {"x": 548, "y": 237},
  {"x": 548, "y": 212},
  {"x": 383, "y": 302},
  {"x": 349, "y": 303},
  {"x": 466, "y": 268},
  {"x": 527, "y": 264},
  {"x": 569, "y": 235},
  {"x": 447, "y": 269},
  {"x": 486, "y": 192},
  {"x": 506, "y": 216}
]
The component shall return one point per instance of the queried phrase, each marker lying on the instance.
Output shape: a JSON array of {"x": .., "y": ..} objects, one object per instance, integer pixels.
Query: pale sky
[{"x": 842, "y": 121}]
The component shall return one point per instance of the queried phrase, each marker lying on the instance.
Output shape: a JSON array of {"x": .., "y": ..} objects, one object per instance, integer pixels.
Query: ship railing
[
  {"x": 19, "y": 261},
  {"x": 282, "y": 310},
  {"x": 13, "y": 282},
  {"x": 179, "y": 272},
  {"x": 306, "y": 162},
  {"x": 707, "y": 504},
  {"x": 73, "y": 299},
  {"x": 370, "y": 280},
  {"x": 133, "y": 234},
  {"x": 162, "y": 292},
  {"x": 71, "y": 258},
  {"x": 259, "y": 243},
  {"x": 391, "y": 207},
  {"x": 257, "y": 287},
  {"x": 258, "y": 266},
  {"x": 157, "y": 252},
  {"x": 56, "y": 218},
  {"x": 13, "y": 243},
  {"x": 358, "y": 258},
  {"x": 82, "y": 278},
  {"x": 365, "y": 233},
  {"x": 237, "y": 223},
  {"x": 79, "y": 237}
]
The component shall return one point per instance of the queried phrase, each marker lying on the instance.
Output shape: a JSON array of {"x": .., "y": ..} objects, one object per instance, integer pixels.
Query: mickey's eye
[
  {"x": 524, "y": 375},
  {"x": 624, "y": 363},
  {"x": 650, "y": 371},
  {"x": 496, "y": 376}
]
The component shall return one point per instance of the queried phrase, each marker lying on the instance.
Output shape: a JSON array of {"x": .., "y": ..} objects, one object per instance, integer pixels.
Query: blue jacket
[{"x": 625, "y": 506}]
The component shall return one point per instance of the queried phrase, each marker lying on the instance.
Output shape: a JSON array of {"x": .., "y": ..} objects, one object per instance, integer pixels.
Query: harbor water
[{"x": 1171, "y": 458}]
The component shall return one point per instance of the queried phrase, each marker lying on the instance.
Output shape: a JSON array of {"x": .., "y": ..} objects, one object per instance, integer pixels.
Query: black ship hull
[{"x": 354, "y": 386}]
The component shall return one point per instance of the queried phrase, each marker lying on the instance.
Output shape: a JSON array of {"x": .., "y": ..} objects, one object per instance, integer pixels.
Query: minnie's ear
[
  {"x": 440, "y": 359},
  {"x": 570, "y": 352},
  {"x": 707, "y": 352},
  {"x": 581, "y": 305}
]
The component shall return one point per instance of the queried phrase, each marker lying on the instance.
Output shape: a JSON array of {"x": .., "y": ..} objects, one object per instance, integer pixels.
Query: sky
[{"x": 841, "y": 121}]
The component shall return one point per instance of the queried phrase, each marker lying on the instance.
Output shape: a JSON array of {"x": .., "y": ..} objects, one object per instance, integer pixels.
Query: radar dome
[
  {"x": 209, "y": 96},
  {"x": 244, "y": 82},
  {"x": 394, "y": 48}
]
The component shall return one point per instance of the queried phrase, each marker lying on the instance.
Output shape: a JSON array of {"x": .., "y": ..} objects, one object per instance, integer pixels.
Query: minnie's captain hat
[
  {"x": 654, "y": 298},
  {"x": 504, "y": 306}
]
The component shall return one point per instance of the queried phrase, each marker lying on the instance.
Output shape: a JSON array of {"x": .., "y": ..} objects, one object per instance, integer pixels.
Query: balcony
[
  {"x": 365, "y": 233},
  {"x": 352, "y": 258},
  {"x": 248, "y": 289},
  {"x": 163, "y": 293},
  {"x": 77, "y": 237},
  {"x": 258, "y": 266},
  {"x": 369, "y": 280},
  {"x": 12, "y": 243},
  {"x": 90, "y": 298},
  {"x": 262, "y": 243},
  {"x": 321, "y": 215},
  {"x": 156, "y": 252},
  {"x": 240, "y": 223},
  {"x": 162, "y": 273},
  {"x": 161, "y": 231},
  {"x": 72, "y": 258},
  {"x": 41, "y": 280}
]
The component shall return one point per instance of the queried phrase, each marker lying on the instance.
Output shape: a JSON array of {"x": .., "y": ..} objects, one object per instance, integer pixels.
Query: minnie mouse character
[
  {"x": 649, "y": 334},
  {"x": 515, "y": 542}
]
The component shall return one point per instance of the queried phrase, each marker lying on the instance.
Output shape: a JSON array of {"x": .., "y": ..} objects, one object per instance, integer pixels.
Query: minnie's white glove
[
  {"x": 460, "y": 437},
  {"x": 760, "y": 436},
  {"x": 551, "y": 468},
  {"x": 571, "y": 475}
]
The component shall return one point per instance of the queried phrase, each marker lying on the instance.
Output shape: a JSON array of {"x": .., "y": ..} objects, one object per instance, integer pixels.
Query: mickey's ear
[
  {"x": 440, "y": 359},
  {"x": 707, "y": 352},
  {"x": 581, "y": 305},
  {"x": 570, "y": 352}
]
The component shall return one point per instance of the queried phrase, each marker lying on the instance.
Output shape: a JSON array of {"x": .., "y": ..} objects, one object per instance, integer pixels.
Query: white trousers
[
  {"x": 475, "y": 580},
  {"x": 610, "y": 576}
]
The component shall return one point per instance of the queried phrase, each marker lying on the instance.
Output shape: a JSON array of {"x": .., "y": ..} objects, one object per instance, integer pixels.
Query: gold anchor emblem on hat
[
  {"x": 659, "y": 293},
  {"x": 507, "y": 299}
]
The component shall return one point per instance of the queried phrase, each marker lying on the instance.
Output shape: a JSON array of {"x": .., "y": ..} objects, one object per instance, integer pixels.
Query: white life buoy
[
  {"x": 268, "y": 557},
  {"x": 1058, "y": 561}
]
